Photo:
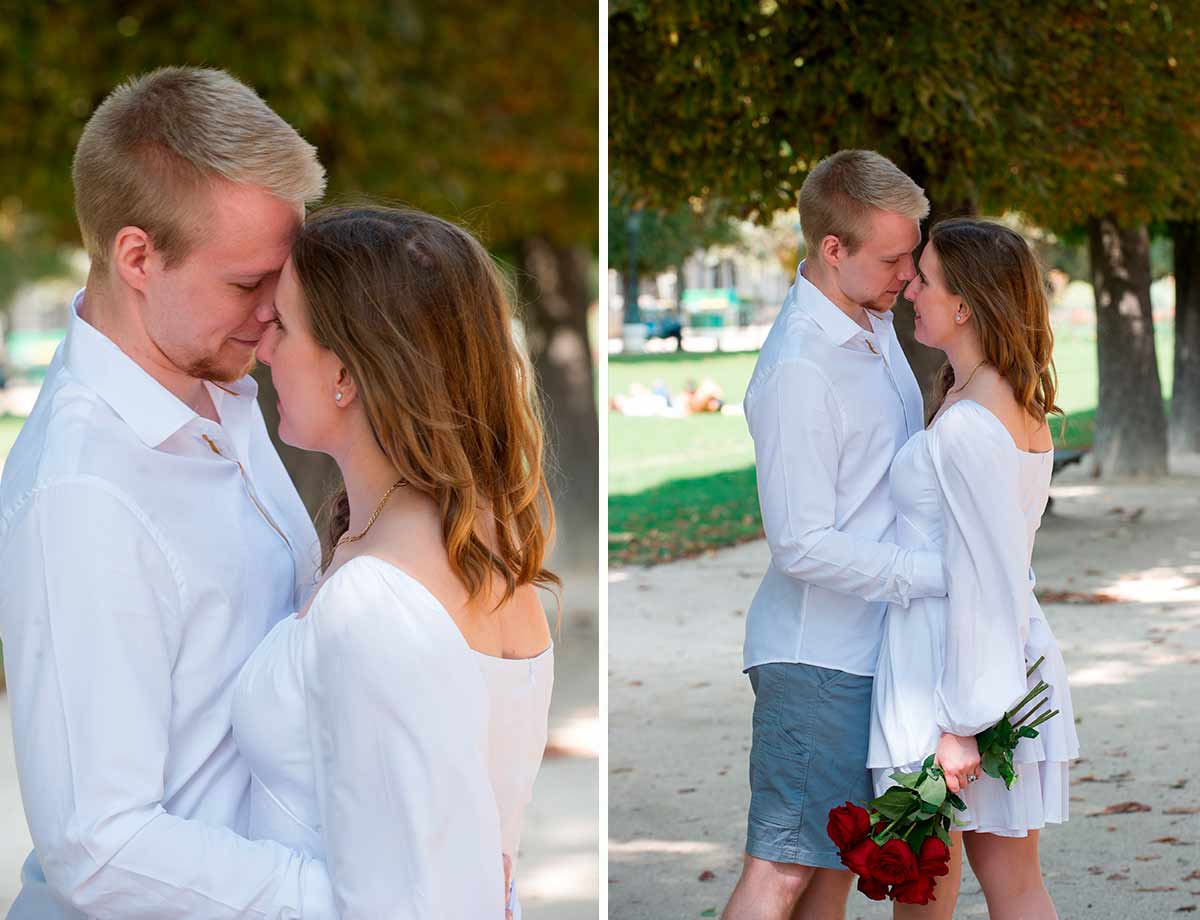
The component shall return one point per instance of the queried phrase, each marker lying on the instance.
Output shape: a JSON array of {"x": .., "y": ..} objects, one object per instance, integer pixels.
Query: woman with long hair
[
  {"x": 973, "y": 485},
  {"x": 394, "y": 727}
]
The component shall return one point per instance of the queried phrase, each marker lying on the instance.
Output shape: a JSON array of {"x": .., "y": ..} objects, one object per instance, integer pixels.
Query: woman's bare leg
[
  {"x": 1011, "y": 875},
  {"x": 945, "y": 891}
]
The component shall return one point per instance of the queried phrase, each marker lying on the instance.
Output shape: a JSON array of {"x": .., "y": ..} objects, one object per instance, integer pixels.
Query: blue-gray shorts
[{"x": 811, "y": 729}]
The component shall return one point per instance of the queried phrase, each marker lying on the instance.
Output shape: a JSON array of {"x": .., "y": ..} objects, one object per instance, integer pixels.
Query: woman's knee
[{"x": 1004, "y": 863}]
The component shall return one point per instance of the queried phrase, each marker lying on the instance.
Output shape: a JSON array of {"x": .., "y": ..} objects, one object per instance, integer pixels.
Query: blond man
[
  {"x": 149, "y": 532},
  {"x": 830, "y": 402}
]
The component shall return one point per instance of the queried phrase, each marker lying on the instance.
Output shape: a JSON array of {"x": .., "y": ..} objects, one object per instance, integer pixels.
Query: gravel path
[{"x": 1125, "y": 558}]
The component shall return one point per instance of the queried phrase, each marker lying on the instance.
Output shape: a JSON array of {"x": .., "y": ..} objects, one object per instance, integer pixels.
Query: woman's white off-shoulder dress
[
  {"x": 379, "y": 741},
  {"x": 956, "y": 664}
]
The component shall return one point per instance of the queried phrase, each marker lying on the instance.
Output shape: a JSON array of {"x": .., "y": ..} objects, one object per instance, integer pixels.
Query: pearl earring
[{"x": 338, "y": 395}]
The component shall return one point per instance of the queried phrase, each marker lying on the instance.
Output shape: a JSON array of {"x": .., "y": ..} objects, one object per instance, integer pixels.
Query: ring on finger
[{"x": 972, "y": 777}]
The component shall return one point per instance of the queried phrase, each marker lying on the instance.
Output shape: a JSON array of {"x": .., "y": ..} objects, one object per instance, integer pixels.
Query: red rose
[
  {"x": 874, "y": 890},
  {"x": 848, "y": 824},
  {"x": 858, "y": 856},
  {"x": 892, "y": 863},
  {"x": 916, "y": 891},
  {"x": 934, "y": 859}
]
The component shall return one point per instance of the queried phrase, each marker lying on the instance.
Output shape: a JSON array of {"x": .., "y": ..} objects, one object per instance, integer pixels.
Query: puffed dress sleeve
[
  {"x": 398, "y": 723},
  {"x": 987, "y": 570}
]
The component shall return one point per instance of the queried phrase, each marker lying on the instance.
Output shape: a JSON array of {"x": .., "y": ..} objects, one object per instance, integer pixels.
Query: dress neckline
[
  {"x": 992, "y": 415},
  {"x": 440, "y": 606}
]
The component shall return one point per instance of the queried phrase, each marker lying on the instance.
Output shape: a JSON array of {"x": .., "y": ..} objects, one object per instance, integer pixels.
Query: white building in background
[{"x": 724, "y": 291}]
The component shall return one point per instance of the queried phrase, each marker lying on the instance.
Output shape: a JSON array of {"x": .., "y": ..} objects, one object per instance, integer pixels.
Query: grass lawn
[
  {"x": 10, "y": 425},
  {"x": 678, "y": 487}
]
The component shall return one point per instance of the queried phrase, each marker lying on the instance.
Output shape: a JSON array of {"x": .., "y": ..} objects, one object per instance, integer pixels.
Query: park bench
[{"x": 1063, "y": 457}]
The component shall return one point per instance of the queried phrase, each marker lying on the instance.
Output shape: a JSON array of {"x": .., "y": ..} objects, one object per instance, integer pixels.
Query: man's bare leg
[
  {"x": 826, "y": 896},
  {"x": 768, "y": 890}
]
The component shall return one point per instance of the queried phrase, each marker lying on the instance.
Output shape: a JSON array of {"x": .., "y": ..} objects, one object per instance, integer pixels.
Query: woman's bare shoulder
[
  {"x": 995, "y": 394},
  {"x": 524, "y": 627}
]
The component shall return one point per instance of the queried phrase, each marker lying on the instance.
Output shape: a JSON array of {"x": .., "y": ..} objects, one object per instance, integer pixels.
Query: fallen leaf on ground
[
  {"x": 1121, "y": 808},
  {"x": 1147, "y": 858},
  {"x": 1116, "y": 877},
  {"x": 1157, "y": 888},
  {"x": 707, "y": 876},
  {"x": 686, "y": 790},
  {"x": 1077, "y": 597},
  {"x": 1181, "y": 810}
]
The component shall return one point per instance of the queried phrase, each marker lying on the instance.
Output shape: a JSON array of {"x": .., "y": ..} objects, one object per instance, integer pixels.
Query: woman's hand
[{"x": 958, "y": 756}]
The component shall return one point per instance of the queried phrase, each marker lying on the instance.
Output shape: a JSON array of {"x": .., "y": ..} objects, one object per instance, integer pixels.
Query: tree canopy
[{"x": 471, "y": 110}]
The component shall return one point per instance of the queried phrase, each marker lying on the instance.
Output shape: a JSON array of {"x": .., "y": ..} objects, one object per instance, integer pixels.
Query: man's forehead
[{"x": 893, "y": 234}]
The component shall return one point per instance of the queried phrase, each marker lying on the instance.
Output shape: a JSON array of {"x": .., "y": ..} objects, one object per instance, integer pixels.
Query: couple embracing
[
  {"x": 211, "y": 720},
  {"x": 897, "y": 618}
]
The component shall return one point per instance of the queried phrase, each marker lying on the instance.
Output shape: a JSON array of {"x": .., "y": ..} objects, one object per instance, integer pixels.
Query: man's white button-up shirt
[
  {"x": 828, "y": 406},
  {"x": 146, "y": 551}
]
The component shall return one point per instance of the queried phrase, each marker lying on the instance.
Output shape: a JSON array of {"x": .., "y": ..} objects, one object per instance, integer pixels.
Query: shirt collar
[
  {"x": 145, "y": 405},
  {"x": 829, "y": 316}
]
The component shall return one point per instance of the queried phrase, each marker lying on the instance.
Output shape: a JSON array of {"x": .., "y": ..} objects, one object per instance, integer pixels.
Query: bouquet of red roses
[{"x": 900, "y": 843}]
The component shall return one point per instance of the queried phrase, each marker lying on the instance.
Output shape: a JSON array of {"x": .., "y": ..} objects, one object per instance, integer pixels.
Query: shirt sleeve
[
  {"x": 797, "y": 427},
  {"x": 987, "y": 572},
  {"x": 398, "y": 725},
  {"x": 90, "y": 613}
]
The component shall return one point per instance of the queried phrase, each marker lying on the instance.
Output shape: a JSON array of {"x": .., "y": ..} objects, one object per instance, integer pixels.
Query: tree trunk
[
  {"x": 1184, "y": 430},
  {"x": 554, "y": 292},
  {"x": 1131, "y": 427},
  {"x": 314, "y": 474}
]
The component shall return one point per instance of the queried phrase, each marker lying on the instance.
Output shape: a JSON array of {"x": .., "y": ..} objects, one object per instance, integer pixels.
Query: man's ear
[
  {"x": 344, "y": 392},
  {"x": 832, "y": 250},
  {"x": 134, "y": 257}
]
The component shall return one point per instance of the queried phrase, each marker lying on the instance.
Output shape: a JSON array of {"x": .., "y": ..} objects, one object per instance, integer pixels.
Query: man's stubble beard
[{"x": 209, "y": 368}]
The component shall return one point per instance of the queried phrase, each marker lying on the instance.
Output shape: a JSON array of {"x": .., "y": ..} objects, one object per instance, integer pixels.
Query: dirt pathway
[{"x": 1124, "y": 559}]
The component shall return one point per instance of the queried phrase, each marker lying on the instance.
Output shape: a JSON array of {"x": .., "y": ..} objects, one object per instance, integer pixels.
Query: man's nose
[
  {"x": 266, "y": 347},
  {"x": 264, "y": 312}
]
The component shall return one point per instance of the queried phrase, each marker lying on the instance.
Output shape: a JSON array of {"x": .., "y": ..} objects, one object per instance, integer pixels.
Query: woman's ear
[{"x": 344, "y": 390}]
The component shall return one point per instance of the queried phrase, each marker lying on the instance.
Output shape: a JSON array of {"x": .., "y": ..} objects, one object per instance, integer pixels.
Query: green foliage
[
  {"x": 737, "y": 101},
  {"x": 665, "y": 238},
  {"x": 1109, "y": 90},
  {"x": 473, "y": 110},
  {"x": 1064, "y": 110}
]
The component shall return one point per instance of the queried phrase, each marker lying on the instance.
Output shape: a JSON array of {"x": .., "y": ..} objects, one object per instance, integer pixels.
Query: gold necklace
[
  {"x": 972, "y": 377},
  {"x": 346, "y": 538}
]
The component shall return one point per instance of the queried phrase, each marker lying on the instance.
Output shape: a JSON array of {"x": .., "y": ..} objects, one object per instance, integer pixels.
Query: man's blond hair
[
  {"x": 157, "y": 143},
  {"x": 842, "y": 191}
]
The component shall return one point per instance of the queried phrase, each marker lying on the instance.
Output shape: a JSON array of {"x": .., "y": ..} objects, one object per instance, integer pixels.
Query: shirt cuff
[{"x": 928, "y": 576}]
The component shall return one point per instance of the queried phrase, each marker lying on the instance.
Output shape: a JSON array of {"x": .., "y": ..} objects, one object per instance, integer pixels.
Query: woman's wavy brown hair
[
  {"x": 997, "y": 275},
  {"x": 416, "y": 310}
]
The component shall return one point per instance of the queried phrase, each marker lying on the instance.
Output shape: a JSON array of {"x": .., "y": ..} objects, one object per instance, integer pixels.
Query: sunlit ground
[{"x": 1125, "y": 560}]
